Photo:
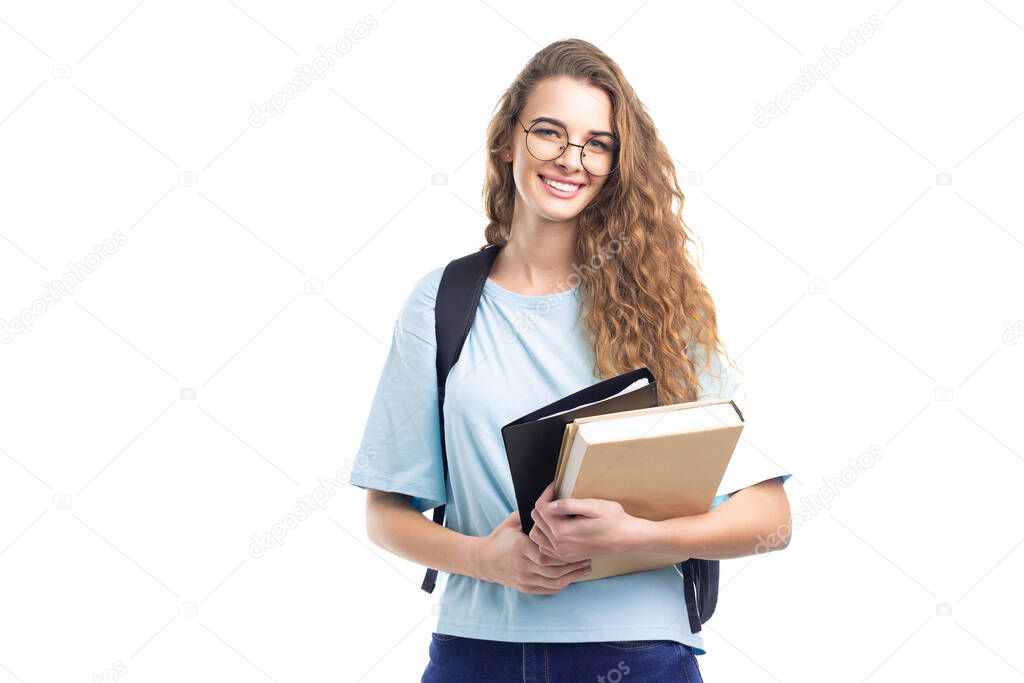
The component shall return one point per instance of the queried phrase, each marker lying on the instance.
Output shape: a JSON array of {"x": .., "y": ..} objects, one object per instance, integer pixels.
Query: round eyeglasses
[{"x": 546, "y": 141}]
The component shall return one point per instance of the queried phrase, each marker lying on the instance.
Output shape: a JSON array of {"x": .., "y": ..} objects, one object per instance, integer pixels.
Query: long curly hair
[{"x": 642, "y": 298}]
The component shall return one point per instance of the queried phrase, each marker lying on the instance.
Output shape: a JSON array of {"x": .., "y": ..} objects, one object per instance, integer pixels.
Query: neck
[{"x": 538, "y": 257}]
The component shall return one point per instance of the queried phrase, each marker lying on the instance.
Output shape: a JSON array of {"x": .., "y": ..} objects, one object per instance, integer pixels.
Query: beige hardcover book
[
  {"x": 567, "y": 437},
  {"x": 659, "y": 463}
]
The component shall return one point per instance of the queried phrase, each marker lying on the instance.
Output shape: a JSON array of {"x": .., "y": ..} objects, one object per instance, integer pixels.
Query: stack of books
[{"x": 613, "y": 441}]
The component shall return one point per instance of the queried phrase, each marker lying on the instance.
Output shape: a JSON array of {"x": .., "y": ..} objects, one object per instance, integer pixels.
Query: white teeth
[{"x": 564, "y": 187}]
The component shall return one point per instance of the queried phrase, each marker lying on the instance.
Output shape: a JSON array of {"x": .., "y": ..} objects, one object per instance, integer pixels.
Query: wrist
[
  {"x": 643, "y": 536},
  {"x": 658, "y": 536},
  {"x": 679, "y": 535},
  {"x": 474, "y": 547}
]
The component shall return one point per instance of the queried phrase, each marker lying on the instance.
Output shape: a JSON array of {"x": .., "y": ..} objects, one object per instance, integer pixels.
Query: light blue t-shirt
[{"x": 522, "y": 352}]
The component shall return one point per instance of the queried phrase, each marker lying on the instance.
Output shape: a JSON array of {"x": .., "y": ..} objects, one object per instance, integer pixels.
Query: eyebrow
[{"x": 551, "y": 120}]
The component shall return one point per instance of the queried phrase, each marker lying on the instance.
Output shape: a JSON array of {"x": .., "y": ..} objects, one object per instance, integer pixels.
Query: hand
[
  {"x": 508, "y": 556},
  {"x": 582, "y": 527}
]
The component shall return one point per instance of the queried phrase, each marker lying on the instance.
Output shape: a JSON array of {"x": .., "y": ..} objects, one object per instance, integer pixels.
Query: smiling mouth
[{"x": 563, "y": 188}]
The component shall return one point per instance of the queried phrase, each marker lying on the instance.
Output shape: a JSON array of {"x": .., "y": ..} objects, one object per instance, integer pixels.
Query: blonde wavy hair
[{"x": 643, "y": 300}]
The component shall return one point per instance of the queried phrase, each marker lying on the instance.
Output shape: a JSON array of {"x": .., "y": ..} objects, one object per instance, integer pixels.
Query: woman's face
[{"x": 580, "y": 108}]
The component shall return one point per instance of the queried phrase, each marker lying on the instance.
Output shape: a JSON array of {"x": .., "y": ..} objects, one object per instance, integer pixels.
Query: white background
[{"x": 870, "y": 303}]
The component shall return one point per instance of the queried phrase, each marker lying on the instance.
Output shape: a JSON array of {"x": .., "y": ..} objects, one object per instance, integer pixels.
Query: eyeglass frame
[{"x": 569, "y": 144}]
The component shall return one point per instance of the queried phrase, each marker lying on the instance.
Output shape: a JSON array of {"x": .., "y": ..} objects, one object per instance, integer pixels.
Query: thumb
[{"x": 513, "y": 518}]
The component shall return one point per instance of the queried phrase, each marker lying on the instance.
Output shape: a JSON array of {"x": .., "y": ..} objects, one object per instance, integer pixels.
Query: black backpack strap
[
  {"x": 700, "y": 588},
  {"x": 686, "y": 569},
  {"x": 706, "y": 583},
  {"x": 454, "y": 309}
]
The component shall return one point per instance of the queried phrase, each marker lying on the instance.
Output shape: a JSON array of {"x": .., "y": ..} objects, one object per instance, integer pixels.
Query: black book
[{"x": 533, "y": 442}]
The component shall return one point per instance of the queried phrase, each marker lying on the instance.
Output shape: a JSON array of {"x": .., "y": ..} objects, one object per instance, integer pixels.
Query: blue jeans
[{"x": 454, "y": 659}]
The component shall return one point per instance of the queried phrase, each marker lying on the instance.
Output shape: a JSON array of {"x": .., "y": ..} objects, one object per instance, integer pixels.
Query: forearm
[
  {"x": 753, "y": 521},
  {"x": 393, "y": 524}
]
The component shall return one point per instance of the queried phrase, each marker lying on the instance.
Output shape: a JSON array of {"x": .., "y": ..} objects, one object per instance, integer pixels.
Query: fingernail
[{"x": 587, "y": 571}]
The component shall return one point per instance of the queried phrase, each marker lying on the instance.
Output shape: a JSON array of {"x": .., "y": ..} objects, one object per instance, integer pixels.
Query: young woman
[{"x": 593, "y": 279}]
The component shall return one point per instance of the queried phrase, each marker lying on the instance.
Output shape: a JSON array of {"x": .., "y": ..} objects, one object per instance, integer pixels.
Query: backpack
[{"x": 458, "y": 294}]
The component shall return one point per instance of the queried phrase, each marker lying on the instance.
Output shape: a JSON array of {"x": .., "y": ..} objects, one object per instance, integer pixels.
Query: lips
[
  {"x": 555, "y": 192},
  {"x": 558, "y": 179}
]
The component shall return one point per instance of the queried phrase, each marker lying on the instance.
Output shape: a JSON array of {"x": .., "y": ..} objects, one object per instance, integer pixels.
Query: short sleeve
[
  {"x": 400, "y": 450},
  {"x": 748, "y": 465}
]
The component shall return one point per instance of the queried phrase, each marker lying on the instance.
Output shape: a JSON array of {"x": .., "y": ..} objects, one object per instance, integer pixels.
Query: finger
[
  {"x": 561, "y": 558},
  {"x": 542, "y": 581},
  {"x": 577, "y": 574},
  {"x": 549, "y": 571},
  {"x": 541, "y": 532},
  {"x": 546, "y": 496},
  {"x": 534, "y": 555},
  {"x": 587, "y": 507},
  {"x": 572, "y": 568},
  {"x": 559, "y": 582},
  {"x": 537, "y": 539},
  {"x": 540, "y": 523},
  {"x": 551, "y": 554},
  {"x": 549, "y": 567},
  {"x": 537, "y": 557}
]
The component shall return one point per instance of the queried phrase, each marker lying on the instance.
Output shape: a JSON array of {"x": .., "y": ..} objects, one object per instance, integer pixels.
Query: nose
[{"x": 569, "y": 161}]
